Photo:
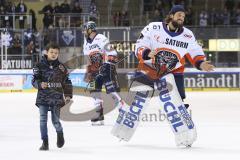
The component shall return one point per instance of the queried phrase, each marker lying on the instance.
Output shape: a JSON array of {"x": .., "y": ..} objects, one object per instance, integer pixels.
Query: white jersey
[
  {"x": 156, "y": 37},
  {"x": 99, "y": 44}
]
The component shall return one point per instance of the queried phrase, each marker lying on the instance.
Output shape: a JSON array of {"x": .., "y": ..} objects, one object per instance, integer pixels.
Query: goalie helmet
[{"x": 89, "y": 27}]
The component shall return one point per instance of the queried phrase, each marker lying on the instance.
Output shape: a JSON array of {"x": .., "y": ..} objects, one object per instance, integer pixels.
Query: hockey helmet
[{"x": 89, "y": 27}]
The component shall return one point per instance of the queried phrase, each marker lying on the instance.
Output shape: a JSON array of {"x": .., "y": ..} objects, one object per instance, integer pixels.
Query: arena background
[
  {"x": 213, "y": 96},
  {"x": 215, "y": 26}
]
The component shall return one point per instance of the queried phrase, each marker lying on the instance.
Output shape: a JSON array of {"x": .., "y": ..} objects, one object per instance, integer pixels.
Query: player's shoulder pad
[
  {"x": 153, "y": 26},
  {"x": 101, "y": 37}
]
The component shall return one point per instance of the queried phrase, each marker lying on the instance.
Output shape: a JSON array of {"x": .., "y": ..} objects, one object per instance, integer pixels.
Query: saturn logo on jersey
[
  {"x": 135, "y": 109},
  {"x": 176, "y": 43},
  {"x": 172, "y": 114}
]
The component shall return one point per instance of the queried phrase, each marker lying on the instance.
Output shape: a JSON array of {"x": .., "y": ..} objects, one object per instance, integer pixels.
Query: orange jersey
[{"x": 156, "y": 37}]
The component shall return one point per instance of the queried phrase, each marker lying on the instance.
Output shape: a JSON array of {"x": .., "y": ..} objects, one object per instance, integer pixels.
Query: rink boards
[{"x": 222, "y": 79}]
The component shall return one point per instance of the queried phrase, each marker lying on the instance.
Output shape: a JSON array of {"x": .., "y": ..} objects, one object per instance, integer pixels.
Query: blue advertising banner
[
  {"x": 193, "y": 80},
  {"x": 76, "y": 78}
]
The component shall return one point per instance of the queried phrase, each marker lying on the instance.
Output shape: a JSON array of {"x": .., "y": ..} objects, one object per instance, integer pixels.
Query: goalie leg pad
[
  {"x": 178, "y": 117},
  {"x": 128, "y": 118}
]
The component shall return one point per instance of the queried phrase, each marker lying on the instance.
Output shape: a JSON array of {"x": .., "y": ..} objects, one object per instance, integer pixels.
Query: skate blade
[
  {"x": 186, "y": 145},
  {"x": 98, "y": 123}
]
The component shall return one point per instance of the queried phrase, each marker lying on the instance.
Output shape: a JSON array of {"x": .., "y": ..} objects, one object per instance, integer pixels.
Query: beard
[{"x": 177, "y": 24}]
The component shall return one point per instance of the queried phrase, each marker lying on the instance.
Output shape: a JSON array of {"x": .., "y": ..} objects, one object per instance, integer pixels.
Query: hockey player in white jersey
[
  {"x": 161, "y": 51},
  {"x": 101, "y": 69}
]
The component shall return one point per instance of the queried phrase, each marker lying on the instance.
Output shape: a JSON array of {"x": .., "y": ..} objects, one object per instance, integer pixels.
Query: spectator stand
[
  {"x": 64, "y": 15},
  {"x": 18, "y": 48}
]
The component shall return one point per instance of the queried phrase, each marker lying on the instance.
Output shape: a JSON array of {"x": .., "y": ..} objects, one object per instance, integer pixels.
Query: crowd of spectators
[
  {"x": 93, "y": 12},
  {"x": 19, "y": 40},
  {"x": 57, "y": 9},
  {"x": 72, "y": 9},
  {"x": 229, "y": 15},
  {"x": 121, "y": 18},
  {"x": 28, "y": 40},
  {"x": 157, "y": 11},
  {"x": 49, "y": 11},
  {"x": 8, "y": 8}
]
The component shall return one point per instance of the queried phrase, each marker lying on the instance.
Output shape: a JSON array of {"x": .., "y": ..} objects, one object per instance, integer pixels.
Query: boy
[{"x": 51, "y": 79}]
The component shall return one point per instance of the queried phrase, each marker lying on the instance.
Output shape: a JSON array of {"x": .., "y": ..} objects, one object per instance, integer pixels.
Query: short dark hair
[{"x": 53, "y": 46}]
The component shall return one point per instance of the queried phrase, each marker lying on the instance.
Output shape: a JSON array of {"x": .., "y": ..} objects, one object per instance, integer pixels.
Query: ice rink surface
[{"x": 216, "y": 115}]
